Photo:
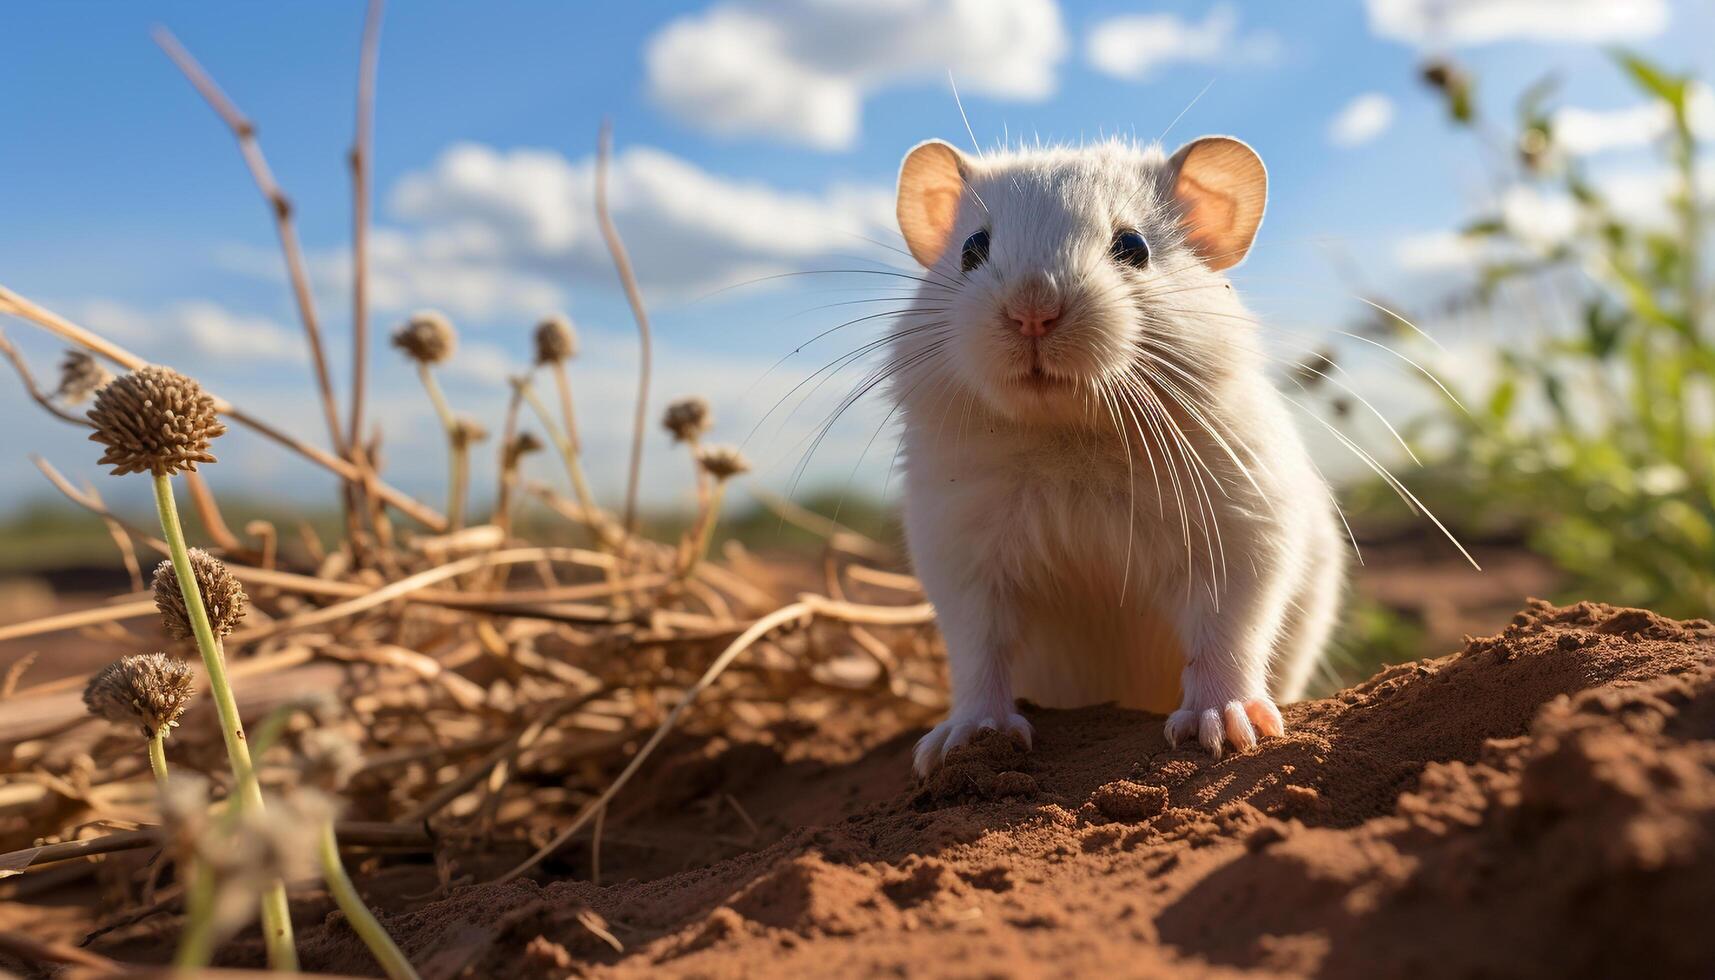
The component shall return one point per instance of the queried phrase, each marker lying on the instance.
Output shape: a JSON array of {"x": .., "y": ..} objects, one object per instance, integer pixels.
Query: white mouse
[{"x": 1105, "y": 497}]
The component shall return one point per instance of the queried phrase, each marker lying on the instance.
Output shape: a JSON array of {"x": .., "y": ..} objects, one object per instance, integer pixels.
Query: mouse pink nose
[
  {"x": 1034, "y": 319},
  {"x": 1034, "y": 304}
]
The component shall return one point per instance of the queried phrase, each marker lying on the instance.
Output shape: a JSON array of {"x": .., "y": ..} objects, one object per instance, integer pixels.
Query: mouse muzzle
[{"x": 1034, "y": 305}]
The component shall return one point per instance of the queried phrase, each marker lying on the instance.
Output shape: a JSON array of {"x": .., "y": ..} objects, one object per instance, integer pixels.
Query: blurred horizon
[{"x": 755, "y": 140}]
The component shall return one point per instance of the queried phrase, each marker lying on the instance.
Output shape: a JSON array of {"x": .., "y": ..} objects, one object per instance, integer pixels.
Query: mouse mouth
[{"x": 1041, "y": 380}]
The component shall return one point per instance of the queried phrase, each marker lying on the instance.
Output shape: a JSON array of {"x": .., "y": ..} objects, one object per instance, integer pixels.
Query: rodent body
[{"x": 1105, "y": 497}]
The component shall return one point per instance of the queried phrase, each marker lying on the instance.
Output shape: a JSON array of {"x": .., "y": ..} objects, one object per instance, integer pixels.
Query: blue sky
[{"x": 755, "y": 137}]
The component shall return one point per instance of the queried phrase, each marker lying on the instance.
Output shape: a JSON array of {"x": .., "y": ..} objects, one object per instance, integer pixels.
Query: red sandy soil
[{"x": 1541, "y": 803}]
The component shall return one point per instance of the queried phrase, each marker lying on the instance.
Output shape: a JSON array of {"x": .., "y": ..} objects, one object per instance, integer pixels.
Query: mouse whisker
[
  {"x": 930, "y": 283},
  {"x": 1204, "y": 417},
  {"x": 1175, "y": 443},
  {"x": 1308, "y": 368},
  {"x": 833, "y": 367},
  {"x": 1131, "y": 488},
  {"x": 864, "y": 387},
  {"x": 1382, "y": 471},
  {"x": 1186, "y": 446}
]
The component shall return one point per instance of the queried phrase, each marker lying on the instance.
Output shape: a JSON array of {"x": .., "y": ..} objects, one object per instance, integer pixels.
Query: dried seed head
[
  {"x": 468, "y": 431},
  {"x": 426, "y": 338},
  {"x": 222, "y": 597},
  {"x": 330, "y": 759},
  {"x": 154, "y": 420},
  {"x": 150, "y": 689},
  {"x": 522, "y": 444},
  {"x": 80, "y": 375},
  {"x": 556, "y": 340},
  {"x": 722, "y": 462},
  {"x": 687, "y": 418}
]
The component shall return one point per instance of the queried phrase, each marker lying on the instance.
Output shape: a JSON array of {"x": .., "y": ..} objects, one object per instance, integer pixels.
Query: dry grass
[{"x": 503, "y": 691}]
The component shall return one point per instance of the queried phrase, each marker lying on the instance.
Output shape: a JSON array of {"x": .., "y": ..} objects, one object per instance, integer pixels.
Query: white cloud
[
  {"x": 225, "y": 335},
  {"x": 483, "y": 232},
  {"x": 1472, "y": 22},
  {"x": 1363, "y": 119},
  {"x": 799, "y": 72},
  {"x": 1584, "y": 132},
  {"x": 1133, "y": 46},
  {"x": 1541, "y": 219},
  {"x": 1538, "y": 220},
  {"x": 1441, "y": 250},
  {"x": 194, "y": 332},
  {"x": 502, "y": 231}
]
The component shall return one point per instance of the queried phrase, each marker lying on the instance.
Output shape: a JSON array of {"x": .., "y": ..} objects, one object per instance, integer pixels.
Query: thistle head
[
  {"x": 467, "y": 432},
  {"x": 222, "y": 597},
  {"x": 522, "y": 444},
  {"x": 147, "y": 689},
  {"x": 80, "y": 375},
  {"x": 426, "y": 338},
  {"x": 556, "y": 340},
  {"x": 722, "y": 462},
  {"x": 687, "y": 419},
  {"x": 154, "y": 420}
]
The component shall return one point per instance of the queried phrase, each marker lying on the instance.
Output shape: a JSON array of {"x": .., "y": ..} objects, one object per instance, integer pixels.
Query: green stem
[
  {"x": 363, "y": 922},
  {"x": 158, "y": 757},
  {"x": 276, "y": 916},
  {"x": 196, "y": 942}
]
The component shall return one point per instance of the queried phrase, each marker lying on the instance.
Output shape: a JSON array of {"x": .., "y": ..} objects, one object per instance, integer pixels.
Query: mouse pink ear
[
  {"x": 931, "y": 182},
  {"x": 1221, "y": 187}
]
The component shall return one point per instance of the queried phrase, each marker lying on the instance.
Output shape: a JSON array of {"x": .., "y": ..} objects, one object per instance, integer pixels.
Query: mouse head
[{"x": 1057, "y": 277}]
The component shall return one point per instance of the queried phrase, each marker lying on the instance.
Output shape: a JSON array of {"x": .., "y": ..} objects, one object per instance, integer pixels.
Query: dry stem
[
  {"x": 634, "y": 296},
  {"x": 278, "y": 204},
  {"x": 30, "y": 388},
  {"x": 16, "y": 305},
  {"x": 361, "y": 151}
]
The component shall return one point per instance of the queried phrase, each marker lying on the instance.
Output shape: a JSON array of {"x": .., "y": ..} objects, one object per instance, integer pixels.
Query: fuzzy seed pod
[
  {"x": 687, "y": 419},
  {"x": 222, "y": 597},
  {"x": 426, "y": 338},
  {"x": 330, "y": 759},
  {"x": 154, "y": 420},
  {"x": 468, "y": 431},
  {"x": 722, "y": 462},
  {"x": 523, "y": 444},
  {"x": 148, "y": 689},
  {"x": 80, "y": 375},
  {"x": 556, "y": 340}
]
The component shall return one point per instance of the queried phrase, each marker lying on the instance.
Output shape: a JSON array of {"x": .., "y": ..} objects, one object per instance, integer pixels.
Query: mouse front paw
[
  {"x": 1213, "y": 726},
  {"x": 961, "y": 728}
]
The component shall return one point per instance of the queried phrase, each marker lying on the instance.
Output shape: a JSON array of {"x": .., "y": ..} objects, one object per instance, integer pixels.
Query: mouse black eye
[
  {"x": 975, "y": 252},
  {"x": 1130, "y": 248}
]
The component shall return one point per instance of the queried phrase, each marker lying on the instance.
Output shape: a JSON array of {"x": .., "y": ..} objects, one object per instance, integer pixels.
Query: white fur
[{"x": 1076, "y": 550}]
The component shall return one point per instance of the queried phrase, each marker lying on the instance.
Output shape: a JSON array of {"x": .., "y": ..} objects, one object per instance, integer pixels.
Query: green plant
[
  {"x": 150, "y": 690},
  {"x": 1597, "y": 433},
  {"x": 155, "y": 420}
]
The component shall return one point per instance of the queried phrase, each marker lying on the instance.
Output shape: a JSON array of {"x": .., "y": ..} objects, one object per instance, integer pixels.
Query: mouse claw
[
  {"x": 932, "y": 748},
  {"x": 1237, "y": 723}
]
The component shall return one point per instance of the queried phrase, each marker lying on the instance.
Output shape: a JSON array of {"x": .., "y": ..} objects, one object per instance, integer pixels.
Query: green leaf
[
  {"x": 1501, "y": 399},
  {"x": 1652, "y": 79},
  {"x": 1601, "y": 331}
]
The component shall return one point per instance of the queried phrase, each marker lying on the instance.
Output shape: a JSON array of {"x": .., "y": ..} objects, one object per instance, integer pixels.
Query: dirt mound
[{"x": 1543, "y": 801}]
